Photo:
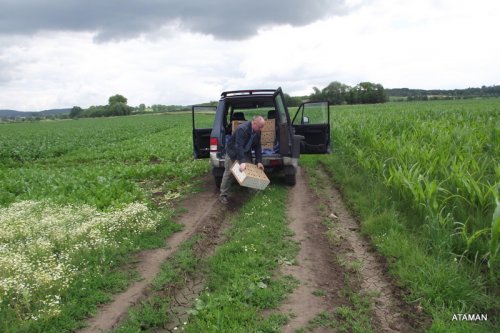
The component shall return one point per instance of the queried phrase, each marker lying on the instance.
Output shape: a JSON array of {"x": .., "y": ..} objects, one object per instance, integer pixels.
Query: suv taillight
[{"x": 213, "y": 145}]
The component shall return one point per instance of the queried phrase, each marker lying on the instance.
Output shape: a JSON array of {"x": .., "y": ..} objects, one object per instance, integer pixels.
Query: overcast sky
[{"x": 61, "y": 53}]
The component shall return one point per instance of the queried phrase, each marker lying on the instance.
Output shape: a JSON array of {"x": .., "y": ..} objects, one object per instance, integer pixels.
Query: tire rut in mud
[
  {"x": 329, "y": 267},
  {"x": 204, "y": 216},
  {"x": 390, "y": 313},
  {"x": 320, "y": 277}
]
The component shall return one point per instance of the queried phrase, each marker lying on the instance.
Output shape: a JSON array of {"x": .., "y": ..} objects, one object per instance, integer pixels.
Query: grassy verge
[
  {"x": 442, "y": 285},
  {"x": 240, "y": 274},
  {"x": 355, "y": 317}
]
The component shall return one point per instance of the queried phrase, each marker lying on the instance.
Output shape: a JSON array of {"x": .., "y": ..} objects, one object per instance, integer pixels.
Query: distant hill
[{"x": 29, "y": 114}]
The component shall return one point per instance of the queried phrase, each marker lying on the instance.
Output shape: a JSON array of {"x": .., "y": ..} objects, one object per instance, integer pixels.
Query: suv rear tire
[
  {"x": 290, "y": 180},
  {"x": 218, "y": 181}
]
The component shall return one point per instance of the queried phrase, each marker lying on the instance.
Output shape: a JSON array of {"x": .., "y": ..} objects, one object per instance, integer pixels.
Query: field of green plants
[
  {"x": 425, "y": 179},
  {"x": 77, "y": 196},
  {"x": 441, "y": 159}
]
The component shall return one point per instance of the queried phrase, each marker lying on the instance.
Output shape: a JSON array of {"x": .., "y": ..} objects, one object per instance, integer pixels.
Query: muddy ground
[{"x": 320, "y": 266}]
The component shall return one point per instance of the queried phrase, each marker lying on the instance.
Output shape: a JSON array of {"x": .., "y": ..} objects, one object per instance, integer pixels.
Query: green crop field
[
  {"x": 74, "y": 197},
  {"x": 425, "y": 180},
  {"x": 440, "y": 159},
  {"x": 77, "y": 196}
]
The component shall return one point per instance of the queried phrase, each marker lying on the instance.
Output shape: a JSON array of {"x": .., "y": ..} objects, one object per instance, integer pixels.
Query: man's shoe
[{"x": 223, "y": 200}]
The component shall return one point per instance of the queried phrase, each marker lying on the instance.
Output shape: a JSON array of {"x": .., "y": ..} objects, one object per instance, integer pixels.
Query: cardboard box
[
  {"x": 236, "y": 123},
  {"x": 268, "y": 134},
  {"x": 252, "y": 176},
  {"x": 269, "y": 126},
  {"x": 267, "y": 146},
  {"x": 267, "y": 139}
]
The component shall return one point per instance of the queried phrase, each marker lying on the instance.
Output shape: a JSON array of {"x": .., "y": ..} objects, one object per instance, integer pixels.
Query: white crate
[{"x": 252, "y": 176}]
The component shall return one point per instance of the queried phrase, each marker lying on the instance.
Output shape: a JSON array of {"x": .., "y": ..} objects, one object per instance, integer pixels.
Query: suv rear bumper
[{"x": 275, "y": 161}]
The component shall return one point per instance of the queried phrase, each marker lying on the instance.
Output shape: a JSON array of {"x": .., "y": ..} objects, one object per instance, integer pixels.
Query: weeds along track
[
  {"x": 367, "y": 269},
  {"x": 204, "y": 216},
  {"x": 209, "y": 235}
]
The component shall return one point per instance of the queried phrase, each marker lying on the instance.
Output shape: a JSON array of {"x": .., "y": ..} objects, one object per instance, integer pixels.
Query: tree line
[
  {"x": 423, "y": 95},
  {"x": 117, "y": 106},
  {"x": 340, "y": 93},
  {"x": 336, "y": 93},
  {"x": 369, "y": 93}
]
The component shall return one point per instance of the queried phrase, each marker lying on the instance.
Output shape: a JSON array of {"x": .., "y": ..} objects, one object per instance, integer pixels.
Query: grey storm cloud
[{"x": 122, "y": 19}]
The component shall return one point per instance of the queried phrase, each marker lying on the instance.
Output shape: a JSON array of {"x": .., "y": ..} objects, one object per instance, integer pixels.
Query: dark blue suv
[{"x": 308, "y": 132}]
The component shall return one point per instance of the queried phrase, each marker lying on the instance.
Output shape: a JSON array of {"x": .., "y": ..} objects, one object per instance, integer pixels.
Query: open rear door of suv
[
  {"x": 203, "y": 119},
  {"x": 312, "y": 121}
]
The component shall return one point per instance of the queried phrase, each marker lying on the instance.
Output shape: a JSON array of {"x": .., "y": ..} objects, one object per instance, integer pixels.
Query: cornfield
[{"x": 440, "y": 160}]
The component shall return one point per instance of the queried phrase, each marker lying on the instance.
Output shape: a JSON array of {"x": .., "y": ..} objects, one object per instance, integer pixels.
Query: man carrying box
[{"x": 239, "y": 148}]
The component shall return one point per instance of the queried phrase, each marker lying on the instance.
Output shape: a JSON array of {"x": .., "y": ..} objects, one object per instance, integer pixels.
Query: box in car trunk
[
  {"x": 235, "y": 124},
  {"x": 268, "y": 134},
  {"x": 267, "y": 139},
  {"x": 252, "y": 176},
  {"x": 269, "y": 126}
]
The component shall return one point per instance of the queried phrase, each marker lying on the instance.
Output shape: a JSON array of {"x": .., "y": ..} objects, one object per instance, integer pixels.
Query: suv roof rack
[{"x": 248, "y": 92}]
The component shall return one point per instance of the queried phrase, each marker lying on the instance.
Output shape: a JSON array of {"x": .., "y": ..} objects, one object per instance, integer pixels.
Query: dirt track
[
  {"x": 318, "y": 268},
  {"x": 315, "y": 268},
  {"x": 199, "y": 208},
  {"x": 372, "y": 276}
]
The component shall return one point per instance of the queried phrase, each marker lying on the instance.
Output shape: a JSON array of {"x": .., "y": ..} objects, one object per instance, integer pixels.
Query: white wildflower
[{"x": 40, "y": 240}]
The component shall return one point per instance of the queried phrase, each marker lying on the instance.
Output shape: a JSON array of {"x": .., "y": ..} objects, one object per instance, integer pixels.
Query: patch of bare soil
[
  {"x": 202, "y": 216},
  {"x": 390, "y": 313},
  {"x": 326, "y": 268},
  {"x": 319, "y": 275}
]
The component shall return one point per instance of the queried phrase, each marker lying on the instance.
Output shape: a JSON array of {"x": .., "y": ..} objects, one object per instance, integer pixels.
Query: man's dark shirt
[{"x": 239, "y": 147}]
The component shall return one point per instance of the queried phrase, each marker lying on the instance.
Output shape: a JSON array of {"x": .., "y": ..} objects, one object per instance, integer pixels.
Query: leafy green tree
[
  {"x": 336, "y": 92},
  {"x": 96, "y": 111},
  {"x": 119, "y": 109},
  {"x": 118, "y": 106},
  {"x": 75, "y": 112},
  {"x": 117, "y": 99},
  {"x": 292, "y": 100},
  {"x": 317, "y": 95},
  {"x": 367, "y": 93},
  {"x": 157, "y": 108}
]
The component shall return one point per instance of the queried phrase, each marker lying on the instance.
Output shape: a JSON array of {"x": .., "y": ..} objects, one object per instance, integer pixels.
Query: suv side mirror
[{"x": 305, "y": 120}]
